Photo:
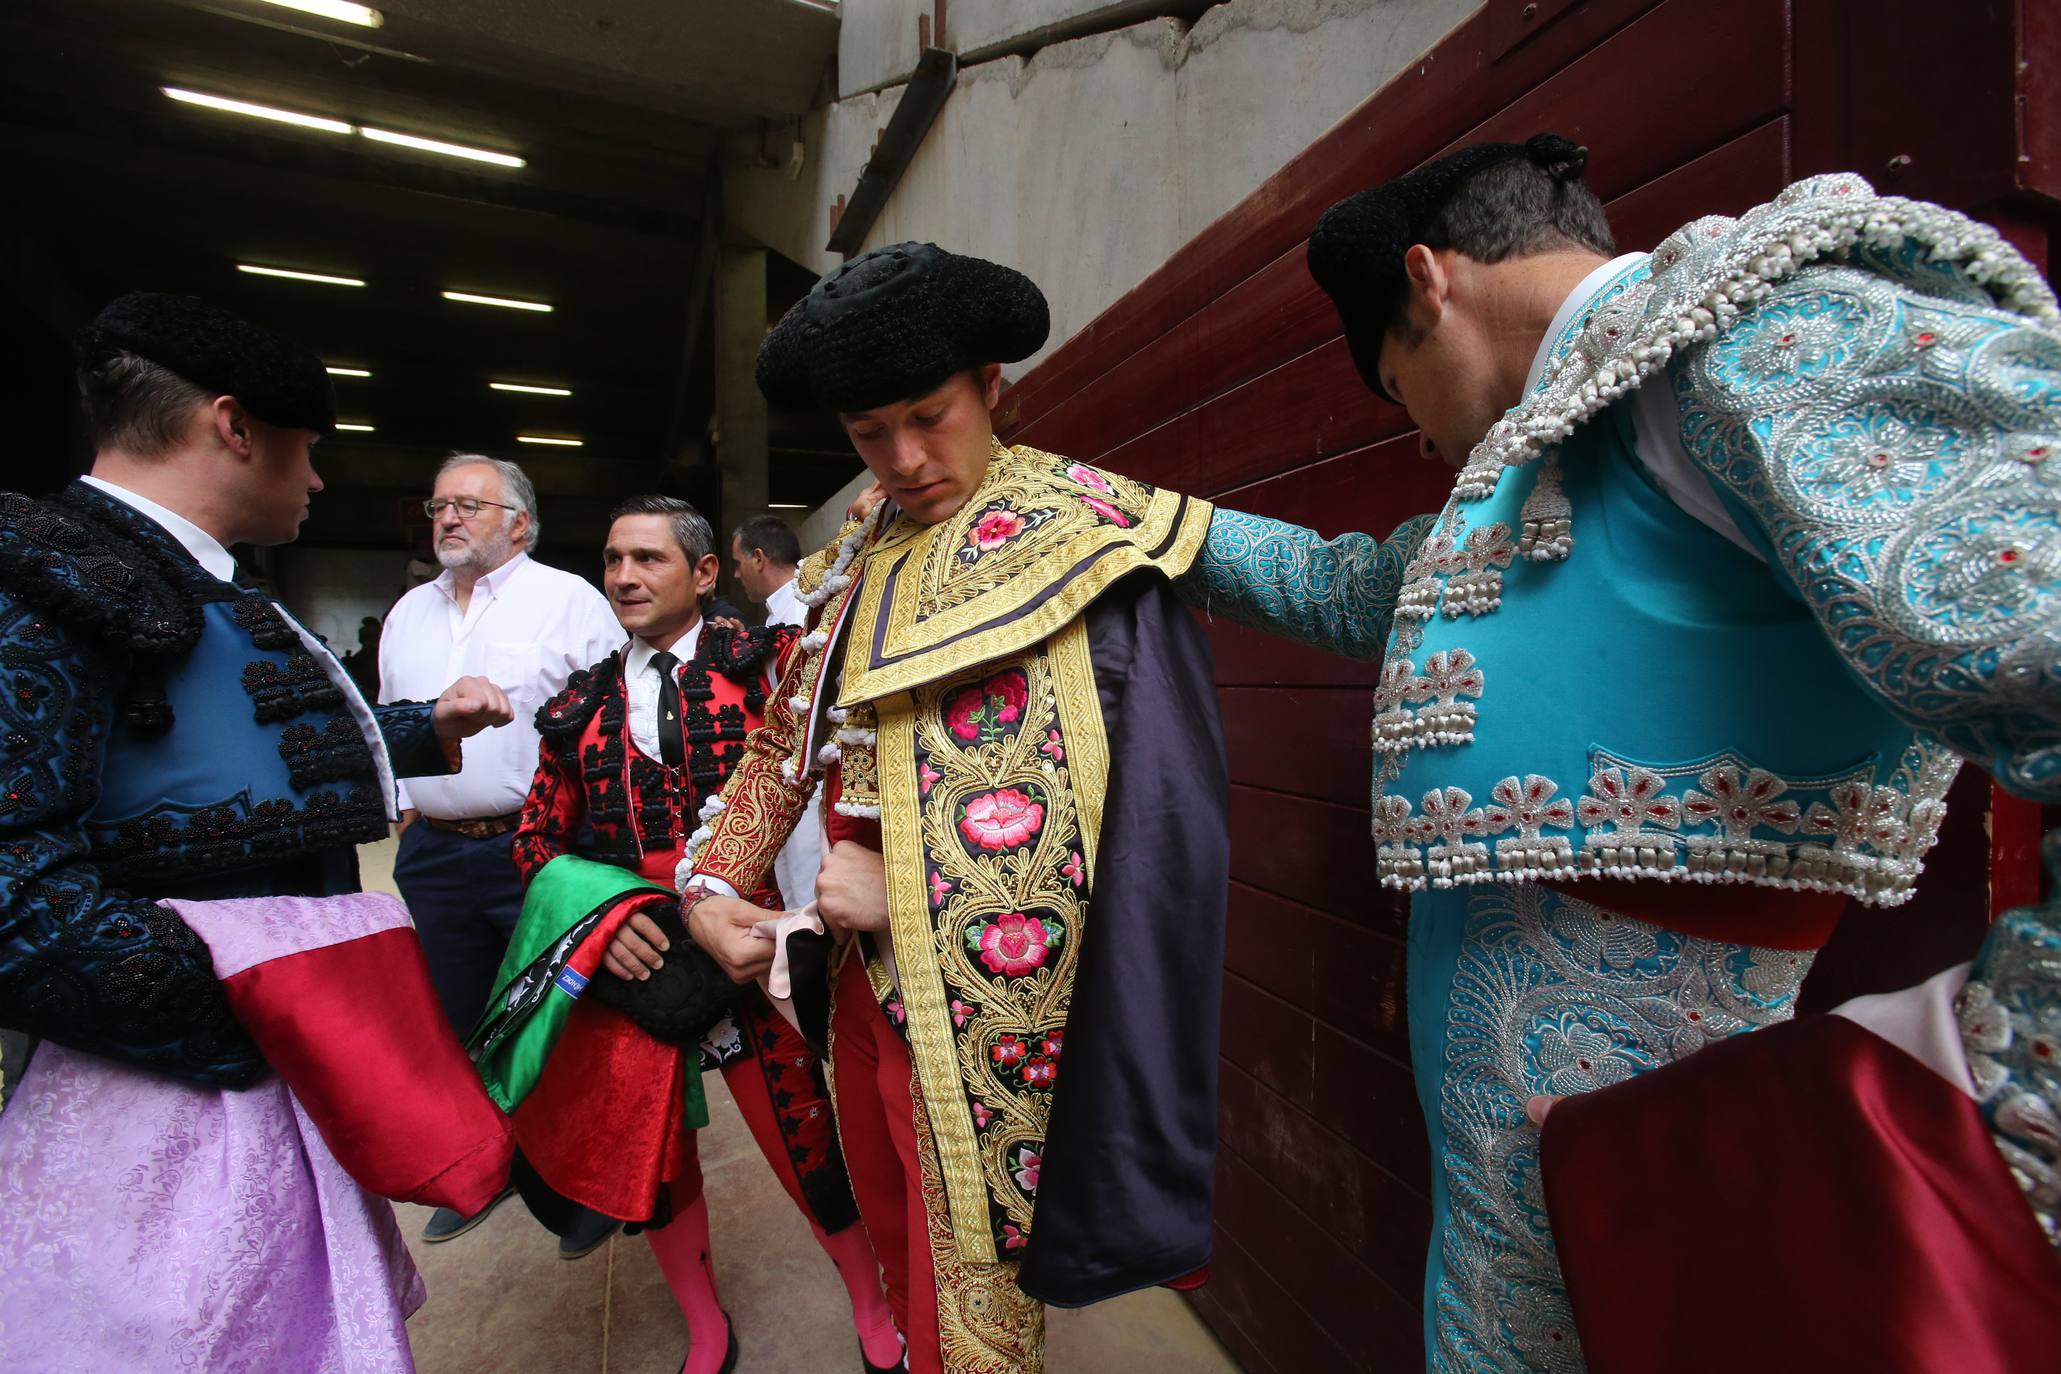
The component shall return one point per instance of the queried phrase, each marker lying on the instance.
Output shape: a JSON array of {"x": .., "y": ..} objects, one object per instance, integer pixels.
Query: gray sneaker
[
  {"x": 449, "y": 1225},
  {"x": 587, "y": 1235}
]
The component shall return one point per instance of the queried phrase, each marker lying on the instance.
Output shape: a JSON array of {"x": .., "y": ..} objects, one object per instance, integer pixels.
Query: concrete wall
[
  {"x": 1088, "y": 164},
  {"x": 331, "y": 590}
]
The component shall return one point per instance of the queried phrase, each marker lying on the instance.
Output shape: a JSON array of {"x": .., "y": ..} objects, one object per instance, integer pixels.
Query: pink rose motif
[
  {"x": 1028, "y": 1162},
  {"x": 1107, "y": 511},
  {"x": 1052, "y": 1044},
  {"x": 1088, "y": 477},
  {"x": 1073, "y": 870},
  {"x": 973, "y": 713},
  {"x": 1014, "y": 945},
  {"x": 1009, "y": 1051},
  {"x": 963, "y": 711},
  {"x": 940, "y": 888},
  {"x": 1001, "y": 820},
  {"x": 981, "y": 1117},
  {"x": 1013, "y": 1239},
  {"x": 896, "y": 1012},
  {"x": 929, "y": 777},
  {"x": 1052, "y": 748},
  {"x": 1009, "y": 691},
  {"x": 960, "y": 1011},
  {"x": 995, "y": 529},
  {"x": 1040, "y": 1072}
]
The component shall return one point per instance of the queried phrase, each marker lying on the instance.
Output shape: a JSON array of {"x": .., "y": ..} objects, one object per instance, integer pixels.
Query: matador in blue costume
[
  {"x": 1754, "y": 539},
  {"x": 187, "y": 772}
]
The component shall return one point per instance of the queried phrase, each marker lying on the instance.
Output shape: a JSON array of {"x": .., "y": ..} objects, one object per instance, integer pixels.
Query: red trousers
[
  {"x": 959, "y": 1317},
  {"x": 871, "y": 1073}
]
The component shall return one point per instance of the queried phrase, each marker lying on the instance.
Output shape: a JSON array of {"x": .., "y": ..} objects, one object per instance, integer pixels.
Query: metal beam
[{"x": 914, "y": 114}]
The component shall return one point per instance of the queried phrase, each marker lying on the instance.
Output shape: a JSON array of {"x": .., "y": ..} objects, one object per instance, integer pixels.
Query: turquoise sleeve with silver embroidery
[
  {"x": 1894, "y": 434},
  {"x": 2010, "y": 1014},
  {"x": 1335, "y": 594}
]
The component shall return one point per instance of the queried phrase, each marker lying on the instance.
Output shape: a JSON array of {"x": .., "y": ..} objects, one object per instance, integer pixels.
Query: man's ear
[
  {"x": 1431, "y": 286},
  {"x": 991, "y": 385},
  {"x": 232, "y": 425},
  {"x": 706, "y": 571}
]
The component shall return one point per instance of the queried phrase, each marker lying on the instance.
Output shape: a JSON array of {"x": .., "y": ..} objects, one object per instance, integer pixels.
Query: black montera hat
[
  {"x": 273, "y": 377},
  {"x": 1356, "y": 250},
  {"x": 894, "y": 323}
]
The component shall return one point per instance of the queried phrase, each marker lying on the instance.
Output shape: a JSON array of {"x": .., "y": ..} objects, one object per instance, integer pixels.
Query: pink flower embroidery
[
  {"x": 1008, "y": 1052},
  {"x": 1073, "y": 870},
  {"x": 896, "y": 1012},
  {"x": 1052, "y": 748},
  {"x": 981, "y": 1116},
  {"x": 995, "y": 529},
  {"x": 1052, "y": 1044},
  {"x": 929, "y": 777},
  {"x": 1012, "y": 1239},
  {"x": 1028, "y": 1162},
  {"x": 960, "y": 1011},
  {"x": 940, "y": 888},
  {"x": 1001, "y": 820},
  {"x": 1088, "y": 477},
  {"x": 972, "y": 712},
  {"x": 1107, "y": 511},
  {"x": 1040, "y": 1072},
  {"x": 1014, "y": 945}
]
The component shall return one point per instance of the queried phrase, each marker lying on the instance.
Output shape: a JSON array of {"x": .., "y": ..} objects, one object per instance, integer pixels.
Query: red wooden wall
[{"x": 1224, "y": 374}]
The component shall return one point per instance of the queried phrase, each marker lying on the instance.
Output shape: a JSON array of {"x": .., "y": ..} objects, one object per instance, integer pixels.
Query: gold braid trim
[
  {"x": 1036, "y": 543},
  {"x": 993, "y": 784},
  {"x": 986, "y": 1324}
]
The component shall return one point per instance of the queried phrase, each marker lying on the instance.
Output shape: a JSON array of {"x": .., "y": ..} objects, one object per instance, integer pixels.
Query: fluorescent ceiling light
[
  {"x": 347, "y": 372},
  {"x": 297, "y": 276},
  {"x": 355, "y": 429},
  {"x": 432, "y": 145},
  {"x": 471, "y": 299},
  {"x": 337, "y": 126},
  {"x": 244, "y": 107},
  {"x": 335, "y": 9},
  {"x": 547, "y": 439},
  {"x": 783, "y": 505},
  {"x": 528, "y": 390}
]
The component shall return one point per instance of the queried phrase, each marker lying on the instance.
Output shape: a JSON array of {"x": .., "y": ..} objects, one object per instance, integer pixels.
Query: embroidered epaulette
[
  {"x": 563, "y": 717},
  {"x": 743, "y": 654},
  {"x": 67, "y": 561}
]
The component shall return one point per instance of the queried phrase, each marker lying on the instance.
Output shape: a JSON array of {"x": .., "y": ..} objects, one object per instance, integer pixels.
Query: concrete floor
[{"x": 501, "y": 1299}]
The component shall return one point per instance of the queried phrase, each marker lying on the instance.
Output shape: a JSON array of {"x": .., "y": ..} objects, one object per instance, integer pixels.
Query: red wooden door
[{"x": 1223, "y": 374}]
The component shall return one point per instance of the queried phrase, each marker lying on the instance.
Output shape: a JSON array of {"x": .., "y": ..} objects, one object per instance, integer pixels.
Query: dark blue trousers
[{"x": 465, "y": 897}]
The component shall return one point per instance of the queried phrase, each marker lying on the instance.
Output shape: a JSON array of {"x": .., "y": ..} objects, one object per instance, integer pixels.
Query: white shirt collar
[
  {"x": 491, "y": 582},
  {"x": 642, "y": 651},
  {"x": 1576, "y": 299},
  {"x": 205, "y": 548}
]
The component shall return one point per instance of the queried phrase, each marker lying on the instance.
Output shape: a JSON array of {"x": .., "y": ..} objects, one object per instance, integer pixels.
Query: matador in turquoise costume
[{"x": 1761, "y": 547}]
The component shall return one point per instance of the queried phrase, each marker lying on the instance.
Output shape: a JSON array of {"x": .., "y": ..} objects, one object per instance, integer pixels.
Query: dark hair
[
  {"x": 770, "y": 535},
  {"x": 1516, "y": 209},
  {"x": 697, "y": 541},
  {"x": 134, "y": 404}
]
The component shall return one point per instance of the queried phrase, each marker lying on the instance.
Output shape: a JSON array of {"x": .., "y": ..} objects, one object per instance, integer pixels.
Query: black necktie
[{"x": 672, "y": 731}]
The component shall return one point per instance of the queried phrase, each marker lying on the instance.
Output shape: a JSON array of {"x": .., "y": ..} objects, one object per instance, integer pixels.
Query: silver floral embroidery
[
  {"x": 1732, "y": 825},
  {"x": 1555, "y": 995}
]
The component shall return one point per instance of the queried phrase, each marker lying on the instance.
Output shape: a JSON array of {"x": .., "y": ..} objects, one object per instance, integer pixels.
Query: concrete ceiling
[{"x": 619, "y": 110}]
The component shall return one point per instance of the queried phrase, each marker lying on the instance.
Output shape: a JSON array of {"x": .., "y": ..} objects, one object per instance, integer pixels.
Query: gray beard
[{"x": 485, "y": 553}]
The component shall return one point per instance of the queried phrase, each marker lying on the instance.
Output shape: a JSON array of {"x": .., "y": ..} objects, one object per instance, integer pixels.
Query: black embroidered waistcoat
[{"x": 162, "y": 734}]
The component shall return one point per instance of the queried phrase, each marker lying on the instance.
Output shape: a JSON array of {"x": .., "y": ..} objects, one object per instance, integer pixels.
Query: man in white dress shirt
[
  {"x": 498, "y": 613},
  {"x": 764, "y": 553}
]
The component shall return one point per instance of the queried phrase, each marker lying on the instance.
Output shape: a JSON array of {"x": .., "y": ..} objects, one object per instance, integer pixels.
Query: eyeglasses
[{"x": 467, "y": 506}]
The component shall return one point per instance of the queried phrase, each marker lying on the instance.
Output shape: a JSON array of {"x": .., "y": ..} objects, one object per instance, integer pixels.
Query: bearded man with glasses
[{"x": 525, "y": 627}]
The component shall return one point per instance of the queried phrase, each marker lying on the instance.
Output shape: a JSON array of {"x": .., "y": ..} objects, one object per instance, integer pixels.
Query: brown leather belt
[{"x": 484, "y": 828}]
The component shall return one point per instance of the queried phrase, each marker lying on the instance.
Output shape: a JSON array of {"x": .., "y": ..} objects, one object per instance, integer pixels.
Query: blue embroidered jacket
[{"x": 162, "y": 734}]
